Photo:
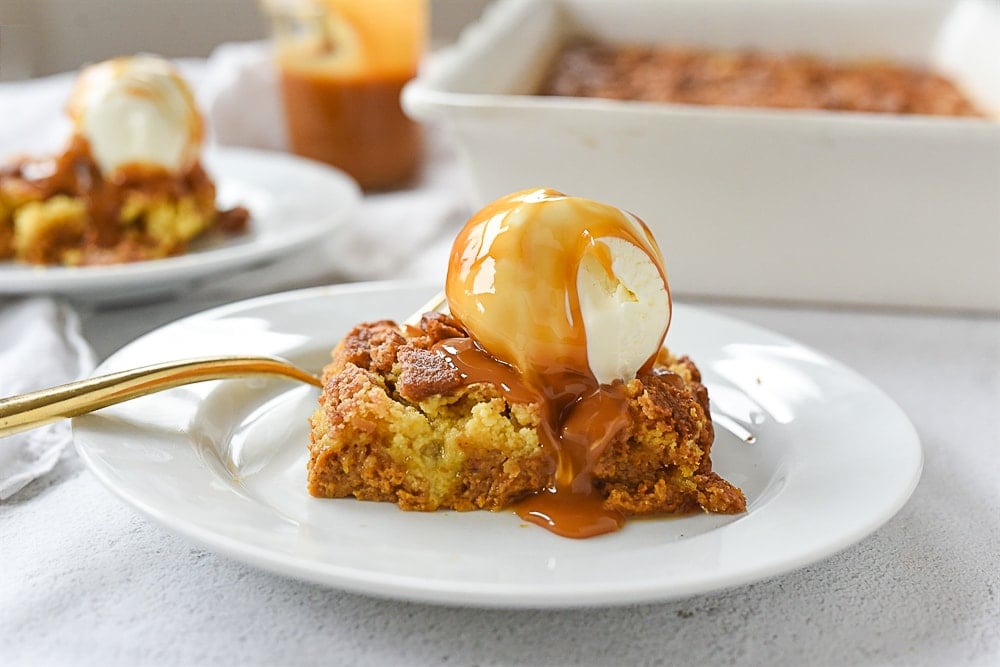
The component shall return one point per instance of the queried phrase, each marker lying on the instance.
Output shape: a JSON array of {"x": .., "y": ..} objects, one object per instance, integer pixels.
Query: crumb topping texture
[{"x": 396, "y": 422}]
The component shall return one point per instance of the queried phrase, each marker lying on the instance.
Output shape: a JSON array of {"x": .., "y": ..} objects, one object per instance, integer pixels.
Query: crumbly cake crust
[{"x": 395, "y": 423}]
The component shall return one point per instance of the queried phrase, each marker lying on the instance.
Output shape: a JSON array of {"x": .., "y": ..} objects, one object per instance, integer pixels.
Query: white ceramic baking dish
[{"x": 800, "y": 205}]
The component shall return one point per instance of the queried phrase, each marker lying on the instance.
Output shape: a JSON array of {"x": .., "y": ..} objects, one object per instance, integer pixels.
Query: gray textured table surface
[{"x": 85, "y": 580}]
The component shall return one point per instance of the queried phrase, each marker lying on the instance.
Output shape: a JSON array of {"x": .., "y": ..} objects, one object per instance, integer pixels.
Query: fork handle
[{"x": 25, "y": 411}]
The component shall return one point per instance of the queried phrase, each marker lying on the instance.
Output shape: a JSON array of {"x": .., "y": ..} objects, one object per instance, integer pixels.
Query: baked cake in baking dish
[{"x": 750, "y": 78}]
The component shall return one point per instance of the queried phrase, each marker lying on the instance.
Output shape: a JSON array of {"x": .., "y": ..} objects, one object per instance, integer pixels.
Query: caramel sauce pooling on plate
[{"x": 512, "y": 282}]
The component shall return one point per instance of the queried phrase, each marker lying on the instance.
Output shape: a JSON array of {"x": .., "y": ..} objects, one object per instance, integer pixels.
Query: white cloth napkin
[
  {"x": 240, "y": 96},
  {"x": 40, "y": 346}
]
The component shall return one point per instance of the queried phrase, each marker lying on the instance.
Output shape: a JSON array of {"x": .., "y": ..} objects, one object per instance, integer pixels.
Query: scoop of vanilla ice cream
[
  {"x": 550, "y": 283},
  {"x": 625, "y": 311},
  {"x": 137, "y": 110}
]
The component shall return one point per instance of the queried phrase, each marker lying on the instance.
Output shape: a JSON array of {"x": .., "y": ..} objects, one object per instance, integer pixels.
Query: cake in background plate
[{"x": 129, "y": 185}]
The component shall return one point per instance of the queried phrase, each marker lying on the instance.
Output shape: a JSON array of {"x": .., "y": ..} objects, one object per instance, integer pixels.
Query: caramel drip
[
  {"x": 475, "y": 365},
  {"x": 579, "y": 419},
  {"x": 572, "y": 507}
]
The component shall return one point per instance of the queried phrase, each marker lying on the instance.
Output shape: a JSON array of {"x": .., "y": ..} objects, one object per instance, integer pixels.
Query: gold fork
[{"x": 25, "y": 411}]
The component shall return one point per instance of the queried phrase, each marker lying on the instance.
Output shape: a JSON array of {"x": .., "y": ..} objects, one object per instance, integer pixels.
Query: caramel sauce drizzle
[
  {"x": 74, "y": 172},
  {"x": 516, "y": 293}
]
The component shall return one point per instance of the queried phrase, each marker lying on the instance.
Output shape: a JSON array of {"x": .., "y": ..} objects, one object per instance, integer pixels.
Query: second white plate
[
  {"x": 223, "y": 463},
  {"x": 292, "y": 202}
]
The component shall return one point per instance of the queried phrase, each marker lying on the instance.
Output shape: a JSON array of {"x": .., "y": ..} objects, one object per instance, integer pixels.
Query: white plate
[
  {"x": 223, "y": 463},
  {"x": 292, "y": 202}
]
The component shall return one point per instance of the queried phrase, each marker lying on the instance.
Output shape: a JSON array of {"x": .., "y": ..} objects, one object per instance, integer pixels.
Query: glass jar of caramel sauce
[{"x": 343, "y": 65}]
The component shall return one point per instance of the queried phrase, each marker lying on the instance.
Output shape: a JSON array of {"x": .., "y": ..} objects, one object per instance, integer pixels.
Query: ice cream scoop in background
[
  {"x": 137, "y": 110},
  {"x": 554, "y": 284}
]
